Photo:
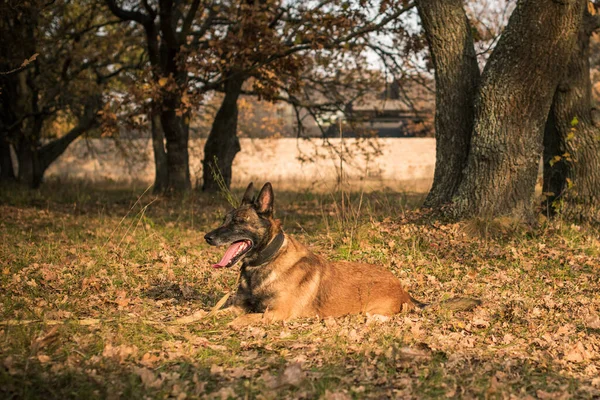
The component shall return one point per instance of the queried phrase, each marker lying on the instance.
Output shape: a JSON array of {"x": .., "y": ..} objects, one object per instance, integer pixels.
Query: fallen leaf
[
  {"x": 43, "y": 358},
  {"x": 149, "y": 378},
  {"x": 292, "y": 375},
  {"x": 119, "y": 353},
  {"x": 337, "y": 395}
]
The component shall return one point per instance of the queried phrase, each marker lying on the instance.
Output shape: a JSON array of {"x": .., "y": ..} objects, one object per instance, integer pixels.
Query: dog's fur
[{"x": 294, "y": 282}]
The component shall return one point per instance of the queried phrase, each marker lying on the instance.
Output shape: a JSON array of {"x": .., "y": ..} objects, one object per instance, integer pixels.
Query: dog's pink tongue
[{"x": 229, "y": 254}]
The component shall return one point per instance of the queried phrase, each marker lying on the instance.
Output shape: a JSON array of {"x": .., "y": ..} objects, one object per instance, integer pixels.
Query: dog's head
[{"x": 247, "y": 229}]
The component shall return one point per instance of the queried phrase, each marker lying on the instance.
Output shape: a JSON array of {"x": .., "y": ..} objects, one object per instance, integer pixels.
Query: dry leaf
[
  {"x": 292, "y": 375},
  {"x": 577, "y": 353},
  {"x": 148, "y": 360},
  {"x": 43, "y": 358},
  {"x": 149, "y": 378},
  {"x": 119, "y": 353},
  {"x": 336, "y": 395}
]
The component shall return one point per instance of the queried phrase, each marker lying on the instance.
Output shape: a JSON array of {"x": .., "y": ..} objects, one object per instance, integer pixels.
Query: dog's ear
[
  {"x": 248, "y": 195},
  {"x": 264, "y": 201}
]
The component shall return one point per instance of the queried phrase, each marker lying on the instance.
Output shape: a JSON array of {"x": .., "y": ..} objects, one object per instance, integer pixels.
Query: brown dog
[{"x": 281, "y": 279}]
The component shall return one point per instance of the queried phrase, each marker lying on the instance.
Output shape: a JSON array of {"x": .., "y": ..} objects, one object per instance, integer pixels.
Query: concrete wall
[{"x": 396, "y": 163}]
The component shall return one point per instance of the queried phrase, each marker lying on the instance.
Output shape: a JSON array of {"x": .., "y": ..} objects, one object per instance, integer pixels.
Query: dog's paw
[
  {"x": 233, "y": 310},
  {"x": 246, "y": 320}
]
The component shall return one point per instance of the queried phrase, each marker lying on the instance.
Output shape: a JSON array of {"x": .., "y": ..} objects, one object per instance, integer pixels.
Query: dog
[{"x": 281, "y": 279}]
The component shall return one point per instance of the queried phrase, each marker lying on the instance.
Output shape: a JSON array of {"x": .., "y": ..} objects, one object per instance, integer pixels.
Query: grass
[{"x": 103, "y": 274}]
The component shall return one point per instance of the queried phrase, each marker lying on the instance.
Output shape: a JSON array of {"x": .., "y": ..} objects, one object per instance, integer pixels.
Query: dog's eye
[{"x": 242, "y": 219}]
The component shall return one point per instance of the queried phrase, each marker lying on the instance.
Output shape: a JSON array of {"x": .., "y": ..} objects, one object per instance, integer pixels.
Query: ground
[{"x": 105, "y": 294}]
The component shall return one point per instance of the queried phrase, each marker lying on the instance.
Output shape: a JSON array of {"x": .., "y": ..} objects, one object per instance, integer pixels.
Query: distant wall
[{"x": 404, "y": 163}]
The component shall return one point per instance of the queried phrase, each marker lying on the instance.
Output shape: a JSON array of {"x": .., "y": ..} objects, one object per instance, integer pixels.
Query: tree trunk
[
  {"x": 448, "y": 34},
  {"x": 222, "y": 144},
  {"x": 512, "y": 106},
  {"x": 16, "y": 45},
  {"x": 30, "y": 131},
  {"x": 177, "y": 152},
  {"x": 49, "y": 152},
  {"x": 7, "y": 172},
  {"x": 30, "y": 173},
  {"x": 572, "y": 140},
  {"x": 161, "y": 173}
]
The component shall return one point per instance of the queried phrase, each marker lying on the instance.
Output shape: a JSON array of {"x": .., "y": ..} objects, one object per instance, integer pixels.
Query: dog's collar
[{"x": 269, "y": 251}]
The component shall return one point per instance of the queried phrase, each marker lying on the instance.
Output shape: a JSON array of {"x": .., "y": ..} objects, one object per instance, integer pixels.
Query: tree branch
[
  {"x": 127, "y": 15},
  {"x": 189, "y": 19},
  {"x": 167, "y": 27}
]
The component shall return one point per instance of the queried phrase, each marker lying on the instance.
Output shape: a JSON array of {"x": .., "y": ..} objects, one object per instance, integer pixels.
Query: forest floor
[{"x": 105, "y": 294}]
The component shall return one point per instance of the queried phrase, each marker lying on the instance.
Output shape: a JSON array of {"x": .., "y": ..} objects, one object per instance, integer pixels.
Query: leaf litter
[{"x": 136, "y": 318}]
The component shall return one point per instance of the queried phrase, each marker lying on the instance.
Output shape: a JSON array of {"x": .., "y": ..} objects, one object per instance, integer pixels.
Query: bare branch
[
  {"x": 127, "y": 15},
  {"x": 189, "y": 19}
]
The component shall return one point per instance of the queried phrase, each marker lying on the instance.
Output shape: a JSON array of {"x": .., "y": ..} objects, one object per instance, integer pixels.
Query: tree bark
[
  {"x": 29, "y": 129},
  {"x": 448, "y": 34},
  {"x": 572, "y": 139},
  {"x": 28, "y": 160},
  {"x": 7, "y": 172},
  {"x": 176, "y": 135},
  {"x": 223, "y": 143},
  {"x": 14, "y": 45},
  {"x": 513, "y": 102},
  {"x": 161, "y": 172}
]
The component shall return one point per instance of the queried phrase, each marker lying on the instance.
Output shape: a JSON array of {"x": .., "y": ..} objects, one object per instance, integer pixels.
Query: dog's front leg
[
  {"x": 268, "y": 317},
  {"x": 233, "y": 310},
  {"x": 246, "y": 319}
]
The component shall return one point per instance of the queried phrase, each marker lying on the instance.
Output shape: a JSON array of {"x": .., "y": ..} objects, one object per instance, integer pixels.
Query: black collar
[{"x": 269, "y": 251}]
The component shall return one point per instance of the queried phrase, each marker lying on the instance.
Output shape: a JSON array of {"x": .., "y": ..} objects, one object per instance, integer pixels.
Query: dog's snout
[{"x": 210, "y": 238}]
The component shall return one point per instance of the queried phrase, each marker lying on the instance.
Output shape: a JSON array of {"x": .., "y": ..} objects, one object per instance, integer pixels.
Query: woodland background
[{"x": 107, "y": 286}]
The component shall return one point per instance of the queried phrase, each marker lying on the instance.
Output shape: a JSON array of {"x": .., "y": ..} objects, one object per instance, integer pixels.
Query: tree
[
  {"x": 168, "y": 25},
  {"x": 448, "y": 33},
  {"x": 511, "y": 107},
  {"x": 64, "y": 75},
  {"x": 275, "y": 45},
  {"x": 572, "y": 136}
]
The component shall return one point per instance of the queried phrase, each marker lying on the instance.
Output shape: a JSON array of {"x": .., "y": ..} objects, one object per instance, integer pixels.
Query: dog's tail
[{"x": 453, "y": 304}]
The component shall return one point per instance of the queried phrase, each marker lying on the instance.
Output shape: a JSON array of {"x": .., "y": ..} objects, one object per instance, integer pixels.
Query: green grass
[{"x": 130, "y": 264}]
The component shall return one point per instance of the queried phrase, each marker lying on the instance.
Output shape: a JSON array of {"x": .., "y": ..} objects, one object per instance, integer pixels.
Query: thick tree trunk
[
  {"x": 30, "y": 130},
  {"x": 222, "y": 144},
  {"x": 16, "y": 45},
  {"x": 177, "y": 152},
  {"x": 174, "y": 125},
  {"x": 572, "y": 140},
  {"x": 448, "y": 33},
  {"x": 161, "y": 173},
  {"x": 512, "y": 106}
]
